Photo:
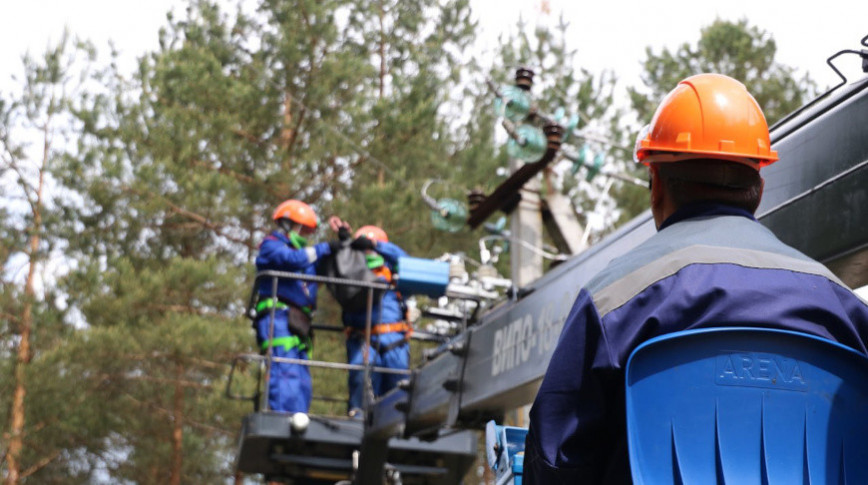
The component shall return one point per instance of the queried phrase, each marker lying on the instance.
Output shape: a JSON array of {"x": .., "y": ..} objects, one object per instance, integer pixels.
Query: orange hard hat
[
  {"x": 373, "y": 233},
  {"x": 707, "y": 116},
  {"x": 296, "y": 211}
]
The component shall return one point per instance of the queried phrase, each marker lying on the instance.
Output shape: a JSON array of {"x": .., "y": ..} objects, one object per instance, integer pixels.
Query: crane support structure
[{"x": 816, "y": 199}]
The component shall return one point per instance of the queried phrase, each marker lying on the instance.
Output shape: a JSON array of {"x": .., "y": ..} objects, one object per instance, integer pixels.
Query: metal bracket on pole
[
  {"x": 562, "y": 224},
  {"x": 506, "y": 191}
]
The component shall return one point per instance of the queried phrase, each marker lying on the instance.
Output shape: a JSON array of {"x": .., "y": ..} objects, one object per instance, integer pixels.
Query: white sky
[{"x": 609, "y": 34}]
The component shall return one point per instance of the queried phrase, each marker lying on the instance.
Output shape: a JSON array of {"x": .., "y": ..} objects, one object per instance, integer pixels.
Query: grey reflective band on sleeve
[
  {"x": 311, "y": 254},
  {"x": 627, "y": 287}
]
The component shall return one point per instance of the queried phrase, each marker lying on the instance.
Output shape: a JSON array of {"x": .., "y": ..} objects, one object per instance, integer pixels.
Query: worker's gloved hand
[
  {"x": 344, "y": 233},
  {"x": 335, "y": 245},
  {"x": 362, "y": 243}
]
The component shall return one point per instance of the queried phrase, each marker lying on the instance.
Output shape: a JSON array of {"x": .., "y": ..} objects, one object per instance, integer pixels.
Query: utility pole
[
  {"x": 526, "y": 225},
  {"x": 526, "y": 265},
  {"x": 526, "y": 219},
  {"x": 561, "y": 223},
  {"x": 535, "y": 140}
]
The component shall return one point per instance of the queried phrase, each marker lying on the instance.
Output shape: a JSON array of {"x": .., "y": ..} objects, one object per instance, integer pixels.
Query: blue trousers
[
  {"x": 289, "y": 386},
  {"x": 396, "y": 358}
]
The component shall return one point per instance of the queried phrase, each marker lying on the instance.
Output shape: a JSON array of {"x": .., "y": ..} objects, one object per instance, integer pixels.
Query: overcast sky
[
  {"x": 611, "y": 34},
  {"x": 608, "y": 34}
]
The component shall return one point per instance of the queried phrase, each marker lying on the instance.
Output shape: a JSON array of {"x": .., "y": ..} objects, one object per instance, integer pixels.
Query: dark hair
[
  {"x": 711, "y": 180},
  {"x": 286, "y": 224}
]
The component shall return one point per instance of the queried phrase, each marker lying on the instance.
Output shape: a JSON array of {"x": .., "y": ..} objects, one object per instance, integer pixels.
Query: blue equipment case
[{"x": 418, "y": 276}]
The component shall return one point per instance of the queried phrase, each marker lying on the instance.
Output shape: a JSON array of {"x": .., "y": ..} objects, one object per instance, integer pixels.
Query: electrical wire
[
  {"x": 430, "y": 201},
  {"x": 862, "y": 54},
  {"x": 527, "y": 245}
]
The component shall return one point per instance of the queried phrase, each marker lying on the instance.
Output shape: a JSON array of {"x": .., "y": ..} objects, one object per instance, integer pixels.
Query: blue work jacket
[
  {"x": 276, "y": 253},
  {"x": 708, "y": 266},
  {"x": 392, "y": 306}
]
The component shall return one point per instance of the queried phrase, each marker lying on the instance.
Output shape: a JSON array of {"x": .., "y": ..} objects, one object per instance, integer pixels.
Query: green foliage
[
  {"x": 176, "y": 170},
  {"x": 737, "y": 49},
  {"x": 173, "y": 172},
  {"x": 416, "y": 48},
  {"x": 34, "y": 125},
  {"x": 591, "y": 96}
]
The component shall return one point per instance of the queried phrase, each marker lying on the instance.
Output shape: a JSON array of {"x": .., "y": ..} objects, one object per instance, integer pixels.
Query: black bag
[
  {"x": 350, "y": 264},
  {"x": 299, "y": 322}
]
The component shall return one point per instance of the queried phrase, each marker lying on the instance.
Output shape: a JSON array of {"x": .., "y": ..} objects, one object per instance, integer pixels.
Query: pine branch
[
  {"x": 302, "y": 112},
  {"x": 213, "y": 429},
  {"x": 240, "y": 177},
  {"x": 230, "y": 173},
  {"x": 203, "y": 221},
  {"x": 40, "y": 464},
  {"x": 244, "y": 134},
  {"x": 28, "y": 190},
  {"x": 14, "y": 318},
  {"x": 326, "y": 182},
  {"x": 160, "y": 380},
  {"x": 182, "y": 309},
  {"x": 206, "y": 363},
  {"x": 168, "y": 413}
]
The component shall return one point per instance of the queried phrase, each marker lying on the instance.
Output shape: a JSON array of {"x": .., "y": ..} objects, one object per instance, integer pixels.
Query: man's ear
[
  {"x": 658, "y": 196},
  {"x": 759, "y": 199},
  {"x": 656, "y": 187}
]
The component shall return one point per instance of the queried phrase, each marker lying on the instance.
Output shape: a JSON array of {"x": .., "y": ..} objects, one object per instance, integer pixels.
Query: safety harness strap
[
  {"x": 268, "y": 303},
  {"x": 381, "y": 328},
  {"x": 289, "y": 342},
  {"x": 394, "y": 345}
]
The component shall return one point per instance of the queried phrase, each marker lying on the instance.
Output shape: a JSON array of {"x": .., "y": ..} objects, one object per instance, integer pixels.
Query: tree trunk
[
  {"x": 382, "y": 51},
  {"x": 380, "y": 174},
  {"x": 17, "y": 412},
  {"x": 177, "y": 427},
  {"x": 287, "y": 134},
  {"x": 16, "y": 426}
]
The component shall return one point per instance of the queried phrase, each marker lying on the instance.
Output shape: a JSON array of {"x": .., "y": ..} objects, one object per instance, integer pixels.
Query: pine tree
[
  {"x": 737, "y": 49},
  {"x": 35, "y": 128},
  {"x": 172, "y": 173},
  {"x": 349, "y": 105},
  {"x": 417, "y": 47},
  {"x": 180, "y": 167}
]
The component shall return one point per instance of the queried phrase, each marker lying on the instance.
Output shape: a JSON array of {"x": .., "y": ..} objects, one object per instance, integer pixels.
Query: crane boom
[{"x": 815, "y": 200}]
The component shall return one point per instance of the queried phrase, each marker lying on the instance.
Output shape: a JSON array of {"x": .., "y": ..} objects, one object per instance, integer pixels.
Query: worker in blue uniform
[
  {"x": 711, "y": 264},
  {"x": 390, "y": 332},
  {"x": 287, "y": 249}
]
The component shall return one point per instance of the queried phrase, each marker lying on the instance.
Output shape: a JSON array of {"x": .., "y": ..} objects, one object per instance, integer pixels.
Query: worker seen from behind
[
  {"x": 711, "y": 264},
  {"x": 390, "y": 332},
  {"x": 287, "y": 250}
]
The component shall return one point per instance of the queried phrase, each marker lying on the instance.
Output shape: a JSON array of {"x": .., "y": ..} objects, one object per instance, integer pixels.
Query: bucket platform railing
[
  {"x": 324, "y": 449},
  {"x": 371, "y": 287}
]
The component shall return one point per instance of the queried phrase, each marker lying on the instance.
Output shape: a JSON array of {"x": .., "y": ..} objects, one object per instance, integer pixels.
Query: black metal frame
[
  {"x": 268, "y": 358},
  {"x": 269, "y": 446}
]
